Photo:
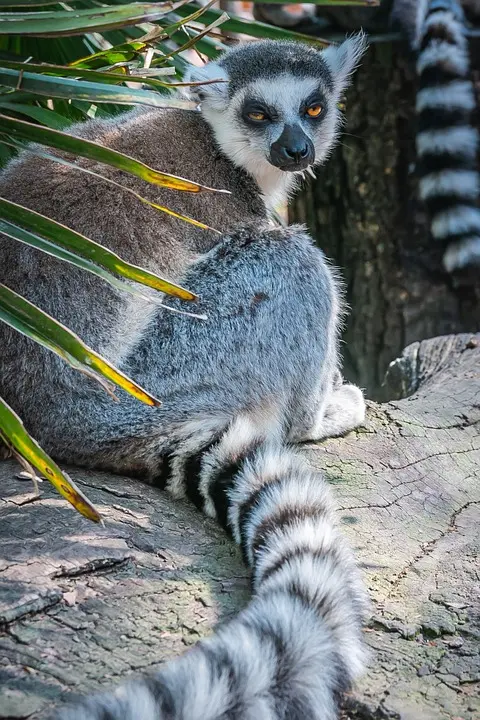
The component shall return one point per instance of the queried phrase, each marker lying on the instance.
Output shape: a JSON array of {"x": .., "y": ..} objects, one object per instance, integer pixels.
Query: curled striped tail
[
  {"x": 447, "y": 142},
  {"x": 298, "y": 645}
]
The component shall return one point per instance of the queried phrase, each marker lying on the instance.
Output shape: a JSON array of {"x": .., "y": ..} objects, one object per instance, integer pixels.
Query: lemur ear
[
  {"x": 215, "y": 95},
  {"x": 343, "y": 59}
]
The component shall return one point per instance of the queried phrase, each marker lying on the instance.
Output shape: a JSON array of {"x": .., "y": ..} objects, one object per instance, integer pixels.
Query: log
[{"x": 83, "y": 607}]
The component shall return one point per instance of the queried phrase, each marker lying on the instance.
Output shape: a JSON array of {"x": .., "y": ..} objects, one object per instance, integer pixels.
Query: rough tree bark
[
  {"x": 363, "y": 212},
  {"x": 82, "y": 606}
]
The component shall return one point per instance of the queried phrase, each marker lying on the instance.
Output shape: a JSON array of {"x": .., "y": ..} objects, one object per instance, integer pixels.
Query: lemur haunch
[
  {"x": 447, "y": 141},
  {"x": 259, "y": 373}
]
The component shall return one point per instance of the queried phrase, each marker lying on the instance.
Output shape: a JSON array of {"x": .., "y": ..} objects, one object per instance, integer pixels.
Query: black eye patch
[
  {"x": 256, "y": 113},
  {"x": 315, "y": 100}
]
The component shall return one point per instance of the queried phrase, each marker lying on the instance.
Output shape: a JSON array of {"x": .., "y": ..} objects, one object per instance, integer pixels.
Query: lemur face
[
  {"x": 288, "y": 123},
  {"x": 276, "y": 107}
]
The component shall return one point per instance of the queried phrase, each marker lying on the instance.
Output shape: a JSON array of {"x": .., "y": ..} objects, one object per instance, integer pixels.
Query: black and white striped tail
[
  {"x": 298, "y": 645},
  {"x": 447, "y": 141}
]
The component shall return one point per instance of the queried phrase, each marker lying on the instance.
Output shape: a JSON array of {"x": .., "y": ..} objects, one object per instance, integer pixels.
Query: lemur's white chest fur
[{"x": 274, "y": 184}]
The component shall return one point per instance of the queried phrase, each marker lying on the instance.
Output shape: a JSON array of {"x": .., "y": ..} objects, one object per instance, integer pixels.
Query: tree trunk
[
  {"x": 363, "y": 213},
  {"x": 83, "y": 606}
]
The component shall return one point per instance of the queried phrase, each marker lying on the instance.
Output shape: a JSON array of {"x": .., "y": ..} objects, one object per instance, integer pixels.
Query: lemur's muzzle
[{"x": 293, "y": 150}]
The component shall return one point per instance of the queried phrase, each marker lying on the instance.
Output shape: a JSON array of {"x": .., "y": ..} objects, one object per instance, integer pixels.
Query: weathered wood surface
[{"x": 83, "y": 606}]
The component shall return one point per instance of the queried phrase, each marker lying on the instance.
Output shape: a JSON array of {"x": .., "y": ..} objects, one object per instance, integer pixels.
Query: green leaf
[
  {"x": 18, "y": 233},
  {"x": 60, "y": 50},
  {"x": 5, "y": 155},
  {"x": 32, "y": 322},
  {"x": 85, "y": 248},
  {"x": 255, "y": 29},
  {"x": 124, "y": 52},
  {"x": 109, "y": 77},
  {"x": 55, "y": 23},
  {"x": 80, "y": 168},
  {"x": 13, "y": 433},
  {"x": 197, "y": 36},
  {"x": 170, "y": 29},
  {"x": 42, "y": 115},
  {"x": 327, "y": 3},
  {"x": 89, "y": 149},
  {"x": 83, "y": 90},
  {"x": 26, "y": 3}
]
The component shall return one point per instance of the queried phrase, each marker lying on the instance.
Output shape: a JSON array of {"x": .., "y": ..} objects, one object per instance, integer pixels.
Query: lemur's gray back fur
[
  {"x": 260, "y": 372},
  {"x": 447, "y": 141}
]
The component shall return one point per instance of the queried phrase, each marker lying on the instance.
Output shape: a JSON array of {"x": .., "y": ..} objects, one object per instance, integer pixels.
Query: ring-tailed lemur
[
  {"x": 447, "y": 141},
  {"x": 260, "y": 372}
]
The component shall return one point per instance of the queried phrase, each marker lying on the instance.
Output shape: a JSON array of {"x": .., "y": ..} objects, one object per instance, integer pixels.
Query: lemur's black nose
[
  {"x": 293, "y": 150},
  {"x": 297, "y": 153}
]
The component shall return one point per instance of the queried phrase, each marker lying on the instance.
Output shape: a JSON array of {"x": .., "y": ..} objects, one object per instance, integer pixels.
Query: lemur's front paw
[
  {"x": 346, "y": 404},
  {"x": 344, "y": 411}
]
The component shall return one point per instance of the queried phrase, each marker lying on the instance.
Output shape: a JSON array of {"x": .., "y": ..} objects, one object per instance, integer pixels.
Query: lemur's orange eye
[
  {"x": 259, "y": 116},
  {"x": 314, "y": 111}
]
